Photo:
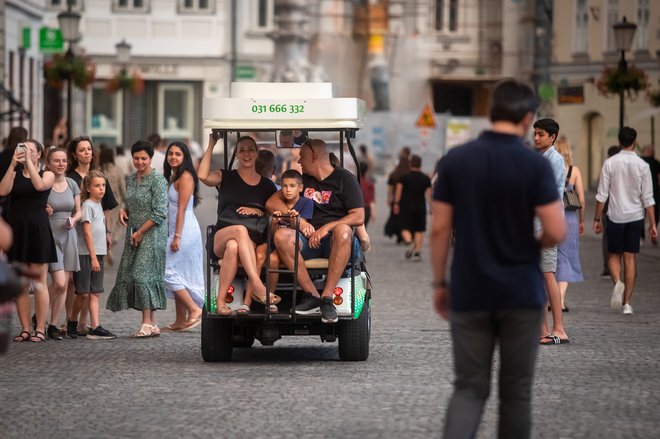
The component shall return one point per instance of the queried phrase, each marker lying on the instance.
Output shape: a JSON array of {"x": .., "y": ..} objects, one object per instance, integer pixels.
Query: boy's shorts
[
  {"x": 86, "y": 280},
  {"x": 624, "y": 237}
]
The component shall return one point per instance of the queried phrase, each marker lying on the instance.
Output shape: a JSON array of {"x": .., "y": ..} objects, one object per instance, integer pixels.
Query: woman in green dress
[{"x": 139, "y": 283}]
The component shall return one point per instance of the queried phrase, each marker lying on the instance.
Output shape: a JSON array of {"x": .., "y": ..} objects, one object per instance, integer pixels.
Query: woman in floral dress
[{"x": 139, "y": 283}]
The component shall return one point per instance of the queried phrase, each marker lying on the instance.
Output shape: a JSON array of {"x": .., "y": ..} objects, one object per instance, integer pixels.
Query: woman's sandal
[
  {"x": 38, "y": 337},
  {"x": 274, "y": 299},
  {"x": 224, "y": 310},
  {"x": 174, "y": 327},
  {"x": 243, "y": 309},
  {"x": 144, "y": 332},
  {"x": 155, "y": 331},
  {"x": 23, "y": 336}
]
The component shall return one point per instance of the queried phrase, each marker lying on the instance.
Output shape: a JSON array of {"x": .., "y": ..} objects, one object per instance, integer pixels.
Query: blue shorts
[{"x": 323, "y": 251}]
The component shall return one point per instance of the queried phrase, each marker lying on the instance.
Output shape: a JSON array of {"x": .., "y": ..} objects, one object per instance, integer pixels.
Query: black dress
[{"x": 33, "y": 237}]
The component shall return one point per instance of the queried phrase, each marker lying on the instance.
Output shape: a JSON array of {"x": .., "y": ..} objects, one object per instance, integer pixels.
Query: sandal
[
  {"x": 224, "y": 310},
  {"x": 155, "y": 331},
  {"x": 174, "y": 327},
  {"x": 23, "y": 336},
  {"x": 274, "y": 299},
  {"x": 38, "y": 337},
  {"x": 192, "y": 323},
  {"x": 144, "y": 332},
  {"x": 273, "y": 309},
  {"x": 243, "y": 309}
]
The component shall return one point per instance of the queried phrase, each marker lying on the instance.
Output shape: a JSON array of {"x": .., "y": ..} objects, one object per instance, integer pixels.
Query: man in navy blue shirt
[{"x": 488, "y": 192}]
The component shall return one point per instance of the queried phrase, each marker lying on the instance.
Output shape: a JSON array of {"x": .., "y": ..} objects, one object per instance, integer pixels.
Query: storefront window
[
  {"x": 175, "y": 110},
  {"x": 104, "y": 116}
]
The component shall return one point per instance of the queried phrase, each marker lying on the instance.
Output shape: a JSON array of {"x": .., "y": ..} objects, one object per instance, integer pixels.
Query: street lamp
[
  {"x": 124, "y": 56},
  {"x": 69, "y": 21},
  {"x": 624, "y": 33}
]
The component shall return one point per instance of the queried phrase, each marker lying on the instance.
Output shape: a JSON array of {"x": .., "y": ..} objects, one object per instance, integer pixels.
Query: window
[
  {"x": 175, "y": 111},
  {"x": 196, "y": 6},
  {"x": 446, "y": 15},
  {"x": 580, "y": 35},
  {"x": 263, "y": 14},
  {"x": 131, "y": 5},
  {"x": 76, "y": 5},
  {"x": 612, "y": 18},
  {"x": 104, "y": 116},
  {"x": 642, "y": 34}
]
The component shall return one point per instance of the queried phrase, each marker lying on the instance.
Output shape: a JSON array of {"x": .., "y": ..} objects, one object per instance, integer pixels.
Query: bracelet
[
  {"x": 597, "y": 219},
  {"x": 439, "y": 284},
  {"x": 177, "y": 235}
]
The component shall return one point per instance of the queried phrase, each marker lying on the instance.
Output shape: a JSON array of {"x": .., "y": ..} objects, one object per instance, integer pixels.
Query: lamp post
[
  {"x": 124, "y": 56},
  {"x": 624, "y": 32},
  {"x": 69, "y": 21}
]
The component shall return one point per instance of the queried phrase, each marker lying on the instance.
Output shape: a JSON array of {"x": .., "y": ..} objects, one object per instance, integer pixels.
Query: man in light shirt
[{"x": 626, "y": 180}]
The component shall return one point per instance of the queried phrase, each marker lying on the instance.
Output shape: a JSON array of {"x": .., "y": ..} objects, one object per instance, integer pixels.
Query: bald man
[{"x": 338, "y": 207}]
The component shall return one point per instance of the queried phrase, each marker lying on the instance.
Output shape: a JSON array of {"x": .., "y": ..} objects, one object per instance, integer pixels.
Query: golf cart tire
[
  {"x": 354, "y": 336},
  {"x": 216, "y": 339}
]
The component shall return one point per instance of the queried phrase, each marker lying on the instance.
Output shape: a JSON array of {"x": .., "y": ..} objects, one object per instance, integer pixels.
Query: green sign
[
  {"x": 245, "y": 72},
  {"x": 50, "y": 40},
  {"x": 27, "y": 38}
]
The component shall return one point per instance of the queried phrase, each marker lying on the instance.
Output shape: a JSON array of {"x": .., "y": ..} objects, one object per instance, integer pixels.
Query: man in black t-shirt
[
  {"x": 489, "y": 190},
  {"x": 412, "y": 192},
  {"x": 338, "y": 207}
]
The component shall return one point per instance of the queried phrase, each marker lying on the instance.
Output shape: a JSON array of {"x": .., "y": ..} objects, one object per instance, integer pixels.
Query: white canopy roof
[{"x": 263, "y": 105}]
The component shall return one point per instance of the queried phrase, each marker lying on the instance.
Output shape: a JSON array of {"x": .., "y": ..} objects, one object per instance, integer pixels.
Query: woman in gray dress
[
  {"x": 139, "y": 283},
  {"x": 64, "y": 213}
]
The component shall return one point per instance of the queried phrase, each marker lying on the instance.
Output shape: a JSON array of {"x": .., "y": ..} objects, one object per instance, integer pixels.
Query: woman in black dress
[{"x": 28, "y": 191}]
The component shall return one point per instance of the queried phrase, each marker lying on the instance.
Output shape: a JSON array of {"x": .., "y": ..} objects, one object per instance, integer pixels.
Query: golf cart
[{"x": 269, "y": 107}]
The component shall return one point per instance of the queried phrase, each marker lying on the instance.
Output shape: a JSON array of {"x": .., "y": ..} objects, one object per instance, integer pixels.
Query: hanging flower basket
[
  {"x": 59, "y": 69},
  {"x": 124, "y": 81},
  {"x": 654, "y": 96},
  {"x": 612, "y": 81}
]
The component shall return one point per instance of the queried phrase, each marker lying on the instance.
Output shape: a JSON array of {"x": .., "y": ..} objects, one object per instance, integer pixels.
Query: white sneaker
[
  {"x": 617, "y": 296},
  {"x": 627, "y": 309}
]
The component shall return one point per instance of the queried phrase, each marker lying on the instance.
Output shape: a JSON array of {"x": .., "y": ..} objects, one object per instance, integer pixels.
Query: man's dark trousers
[{"x": 474, "y": 336}]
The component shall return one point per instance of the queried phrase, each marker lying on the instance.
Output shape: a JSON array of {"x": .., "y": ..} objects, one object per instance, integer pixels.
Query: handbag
[
  {"x": 571, "y": 199},
  {"x": 256, "y": 225}
]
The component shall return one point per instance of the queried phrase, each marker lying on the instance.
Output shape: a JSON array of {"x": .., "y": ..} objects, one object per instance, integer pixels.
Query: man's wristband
[
  {"x": 439, "y": 284},
  {"x": 597, "y": 220}
]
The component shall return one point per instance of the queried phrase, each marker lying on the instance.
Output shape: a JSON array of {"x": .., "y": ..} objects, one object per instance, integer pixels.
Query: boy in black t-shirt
[{"x": 413, "y": 191}]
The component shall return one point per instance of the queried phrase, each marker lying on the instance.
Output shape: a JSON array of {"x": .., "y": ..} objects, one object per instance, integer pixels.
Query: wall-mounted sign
[
  {"x": 26, "y": 38},
  {"x": 573, "y": 94},
  {"x": 245, "y": 72},
  {"x": 50, "y": 40}
]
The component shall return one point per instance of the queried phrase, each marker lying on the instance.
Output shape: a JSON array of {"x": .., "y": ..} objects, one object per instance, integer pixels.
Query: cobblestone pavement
[{"x": 604, "y": 384}]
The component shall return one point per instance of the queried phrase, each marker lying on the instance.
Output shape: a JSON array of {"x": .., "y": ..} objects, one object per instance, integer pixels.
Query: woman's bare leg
[
  {"x": 57, "y": 293},
  {"x": 41, "y": 301}
]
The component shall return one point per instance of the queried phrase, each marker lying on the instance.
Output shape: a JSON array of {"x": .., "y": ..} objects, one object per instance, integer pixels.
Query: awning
[{"x": 14, "y": 106}]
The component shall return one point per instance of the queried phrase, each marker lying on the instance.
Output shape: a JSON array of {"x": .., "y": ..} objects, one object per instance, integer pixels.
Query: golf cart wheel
[
  {"x": 216, "y": 338},
  {"x": 354, "y": 336}
]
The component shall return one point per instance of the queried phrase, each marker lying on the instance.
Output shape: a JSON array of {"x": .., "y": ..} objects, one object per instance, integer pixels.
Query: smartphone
[
  {"x": 21, "y": 147},
  {"x": 69, "y": 222}
]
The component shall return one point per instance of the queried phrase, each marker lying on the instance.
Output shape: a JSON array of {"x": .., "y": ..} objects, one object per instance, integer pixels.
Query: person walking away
[
  {"x": 413, "y": 191},
  {"x": 64, "y": 214},
  {"x": 569, "y": 269},
  {"x": 92, "y": 247},
  {"x": 545, "y": 134},
  {"x": 28, "y": 190},
  {"x": 626, "y": 180},
  {"x": 184, "y": 262},
  {"x": 403, "y": 167},
  {"x": 496, "y": 292},
  {"x": 139, "y": 283},
  {"x": 648, "y": 155},
  {"x": 368, "y": 193},
  {"x": 615, "y": 149}
]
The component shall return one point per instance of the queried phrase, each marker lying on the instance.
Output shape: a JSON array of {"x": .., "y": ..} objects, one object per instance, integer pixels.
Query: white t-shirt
[{"x": 158, "y": 161}]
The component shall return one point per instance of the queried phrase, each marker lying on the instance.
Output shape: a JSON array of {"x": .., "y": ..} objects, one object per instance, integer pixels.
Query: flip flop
[
  {"x": 224, "y": 310},
  {"x": 552, "y": 339},
  {"x": 174, "y": 327},
  {"x": 243, "y": 309},
  {"x": 192, "y": 323},
  {"x": 274, "y": 299}
]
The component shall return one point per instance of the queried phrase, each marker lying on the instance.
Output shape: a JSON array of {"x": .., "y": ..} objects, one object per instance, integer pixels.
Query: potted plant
[
  {"x": 132, "y": 82},
  {"x": 654, "y": 95},
  {"x": 613, "y": 81},
  {"x": 79, "y": 69}
]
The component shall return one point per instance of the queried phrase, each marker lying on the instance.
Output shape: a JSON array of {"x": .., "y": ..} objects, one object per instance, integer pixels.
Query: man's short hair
[
  {"x": 548, "y": 125},
  {"x": 415, "y": 161},
  {"x": 286, "y": 133},
  {"x": 512, "y": 100},
  {"x": 292, "y": 174},
  {"x": 265, "y": 163},
  {"x": 627, "y": 136}
]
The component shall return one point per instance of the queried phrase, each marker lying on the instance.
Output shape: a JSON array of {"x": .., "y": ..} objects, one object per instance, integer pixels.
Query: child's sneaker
[
  {"x": 71, "y": 329},
  {"x": 99, "y": 333}
]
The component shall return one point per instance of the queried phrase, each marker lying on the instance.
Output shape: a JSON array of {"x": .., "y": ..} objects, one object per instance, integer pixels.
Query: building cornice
[{"x": 595, "y": 67}]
